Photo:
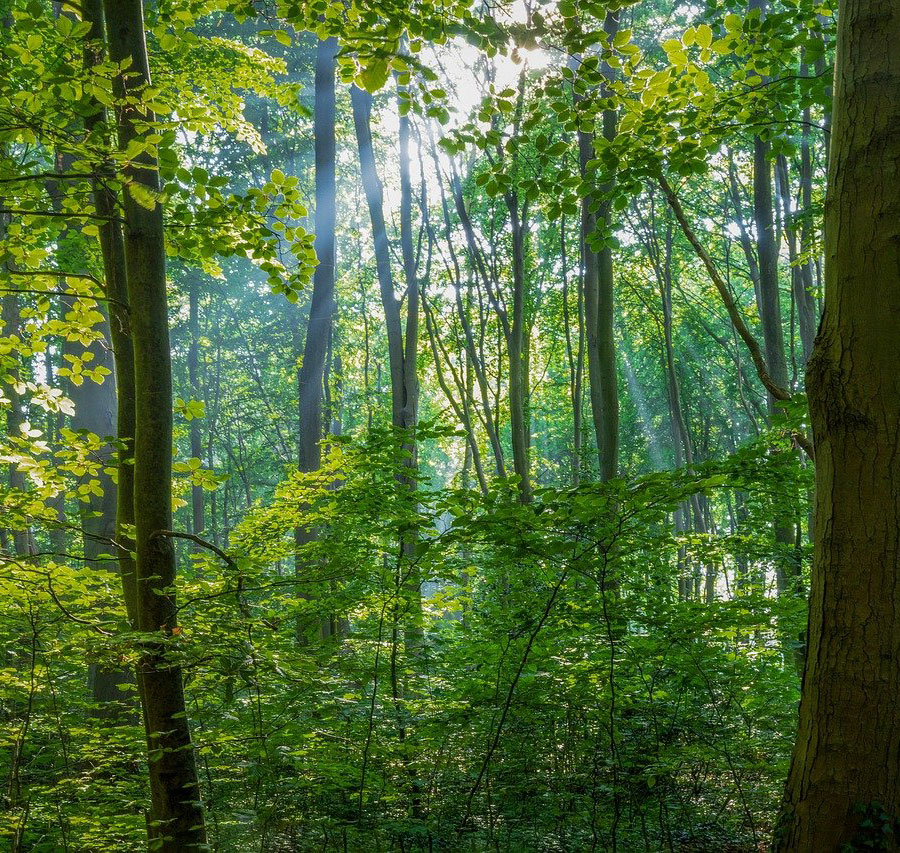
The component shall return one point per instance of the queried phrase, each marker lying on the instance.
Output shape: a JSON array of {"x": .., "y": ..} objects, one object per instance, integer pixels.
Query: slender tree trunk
[
  {"x": 807, "y": 312},
  {"x": 787, "y": 570},
  {"x": 96, "y": 410},
  {"x": 112, "y": 249},
  {"x": 311, "y": 377},
  {"x": 599, "y": 294},
  {"x": 193, "y": 364},
  {"x": 475, "y": 349},
  {"x": 846, "y": 763},
  {"x": 574, "y": 354},
  {"x": 518, "y": 362},
  {"x": 312, "y": 371},
  {"x": 413, "y": 630},
  {"x": 402, "y": 349},
  {"x": 23, "y": 542},
  {"x": 177, "y": 814}
]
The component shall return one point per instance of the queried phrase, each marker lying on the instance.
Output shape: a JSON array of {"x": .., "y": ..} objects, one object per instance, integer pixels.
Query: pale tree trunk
[
  {"x": 767, "y": 253},
  {"x": 475, "y": 352},
  {"x": 806, "y": 300},
  {"x": 96, "y": 411},
  {"x": 787, "y": 569},
  {"x": 518, "y": 352},
  {"x": 413, "y": 630},
  {"x": 311, "y": 377},
  {"x": 402, "y": 348},
  {"x": 846, "y": 763},
  {"x": 176, "y": 811},
  {"x": 574, "y": 353},
  {"x": 193, "y": 363},
  {"x": 321, "y": 310}
]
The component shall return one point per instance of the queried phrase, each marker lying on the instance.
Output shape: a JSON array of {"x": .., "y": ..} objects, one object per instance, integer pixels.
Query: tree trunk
[
  {"x": 402, "y": 350},
  {"x": 311, "y": 377},
  {"x": 574, "y": 354},
  {"x": 846, "y": 763},
  {"x": 312, "y": 371},
  {"x": 518, "y": 361},
  {"x": 599, "y": 311},
  {"x": 193, "y": 365},
  {"x": 177, "y": 814}
]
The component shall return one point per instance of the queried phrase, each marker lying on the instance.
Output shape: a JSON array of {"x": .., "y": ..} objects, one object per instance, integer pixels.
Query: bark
[
  {"x": 598, "y": 284},
  {"x": 518, "y": 353},
  {"x": 574, "y": 354},
  {"x": 312, "y": 371},
  {"x": 767, "y": 253},
  {"x": 193, "y": 365},
  {"x": 787, "y": 571},
  {"x": 176, "y": 811},
  {"x": 846, "y": 762},
  {"x": 402, "y": 349},
  {"x": 475, "y": 352},
  {"x": 807, "y": 311},
  {"x": 311, "y": 376}
]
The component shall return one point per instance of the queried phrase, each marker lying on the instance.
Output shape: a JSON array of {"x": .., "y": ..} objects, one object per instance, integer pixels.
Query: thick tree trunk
[
  {"x": 177, "y": 813},
  {"x": 846, "y": 763}
]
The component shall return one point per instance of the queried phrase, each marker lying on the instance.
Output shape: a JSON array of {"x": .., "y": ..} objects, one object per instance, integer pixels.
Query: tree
[
  {"x": 177, "y": 815},
  {"x": 311, "y": 376},
  {"x": 844, "y": 784}
]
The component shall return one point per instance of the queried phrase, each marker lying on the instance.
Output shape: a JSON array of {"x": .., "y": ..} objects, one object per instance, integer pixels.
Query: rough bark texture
[
  {"x": 176, "y": 811},
  {"x": 846, "y": 763}
]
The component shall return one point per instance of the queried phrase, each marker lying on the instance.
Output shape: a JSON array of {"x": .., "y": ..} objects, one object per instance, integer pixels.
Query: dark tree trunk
[
  {"x": 599, "y": 295},
  {"x": 846, "y": 763},
  {"x": 177, "y": 814}
]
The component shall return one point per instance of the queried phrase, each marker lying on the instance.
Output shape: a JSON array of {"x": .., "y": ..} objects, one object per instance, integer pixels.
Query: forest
[{"x": 450, "y": 425}]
